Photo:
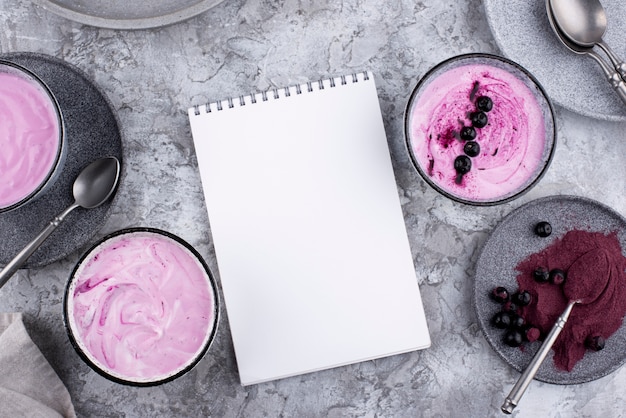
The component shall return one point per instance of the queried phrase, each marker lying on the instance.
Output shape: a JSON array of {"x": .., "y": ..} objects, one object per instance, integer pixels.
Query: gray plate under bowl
[{"x": 92, "y": 131}]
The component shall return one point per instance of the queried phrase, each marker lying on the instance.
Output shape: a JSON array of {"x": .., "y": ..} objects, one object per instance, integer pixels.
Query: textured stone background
[{"x": 153, "y": 76}]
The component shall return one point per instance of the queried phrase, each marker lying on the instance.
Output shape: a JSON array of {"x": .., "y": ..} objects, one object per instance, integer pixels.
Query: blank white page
[{"x": 311, "y": 245}]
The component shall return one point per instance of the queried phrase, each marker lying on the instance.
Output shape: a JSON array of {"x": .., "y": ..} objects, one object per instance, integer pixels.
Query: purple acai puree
[
  {"x": 513, "y": 148},
  {"x": 596, "y": 272}
]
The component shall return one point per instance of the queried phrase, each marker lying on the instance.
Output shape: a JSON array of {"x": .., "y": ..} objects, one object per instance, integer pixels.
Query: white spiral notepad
[{"x": 309, "y": 234}]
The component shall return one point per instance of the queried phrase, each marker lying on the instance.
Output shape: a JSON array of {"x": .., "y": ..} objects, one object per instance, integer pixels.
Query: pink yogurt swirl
[
  {"x": 29, "y": 137},
  {"x": 512, "y": 145},
  {"x": 141, "y": 307}
]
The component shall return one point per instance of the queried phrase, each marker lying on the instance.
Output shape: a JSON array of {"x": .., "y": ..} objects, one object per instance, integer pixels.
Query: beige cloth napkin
[{"x": 29, "y": 387}]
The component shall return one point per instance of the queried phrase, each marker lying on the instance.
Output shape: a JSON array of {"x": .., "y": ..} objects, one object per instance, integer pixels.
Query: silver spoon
[
  {"x": 584, "y": 22},
  {"x": 580, "y": 287},
  {"x": 613, "y": 76},
  {"x": 93, "y": 186}
]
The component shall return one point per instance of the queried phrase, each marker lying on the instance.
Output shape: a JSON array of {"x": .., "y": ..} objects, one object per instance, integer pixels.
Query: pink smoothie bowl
[
  {"x": 32, "y": 137},
  {"x": 480, "y": 129},
  {"x": 141, "y": 307}
]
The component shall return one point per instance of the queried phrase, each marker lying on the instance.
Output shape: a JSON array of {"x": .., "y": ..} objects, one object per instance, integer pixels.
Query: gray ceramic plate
[
  {"x": 523, "y": 34},
  {"x": 512, "y": 241},
  {"x": 123, "y": 14},
  {"x": 92, "y": 131}
]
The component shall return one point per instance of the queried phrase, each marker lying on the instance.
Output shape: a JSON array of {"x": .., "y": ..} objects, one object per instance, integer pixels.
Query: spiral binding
[{"x": 277, "y": 93}]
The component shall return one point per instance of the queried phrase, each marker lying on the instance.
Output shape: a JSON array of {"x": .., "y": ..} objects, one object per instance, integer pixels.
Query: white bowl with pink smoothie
[
  {"x": 32, "y": 139},
  {"x": 141, "y": 307},
  {"x": 480, "y": 129}
]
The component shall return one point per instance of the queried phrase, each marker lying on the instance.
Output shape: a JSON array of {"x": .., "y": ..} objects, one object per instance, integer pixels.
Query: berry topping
[
  {"x": 522, "y": 298},
  {"x": 543, "y": 229},
  {"x": 484, "y": 103},
  {"x": 479, "y": 119},
  {"x": 509, "y": 307},
  {"x": 462, "y": 164},
  {"x": 557, "y": 276},
  {"x": 594, "y": 342},
  {"x": 468, "y": 133},
  {"x": 501, "y": 320},
  {"x": 541, "y": 275},
  {"x": 517, "y": 322},
  {"x": 513, "y": 338},
  {"x": 471, "y": 148},
  {"x": 532, "y": 334},
  {"x": 500, "y": 294}
]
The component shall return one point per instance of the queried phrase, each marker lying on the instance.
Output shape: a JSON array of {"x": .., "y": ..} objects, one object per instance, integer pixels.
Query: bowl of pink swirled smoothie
[
  {"x": 141, "y": 307},
  {"x": 480, "y": 129},
  {"x": 32, "y": 140}
]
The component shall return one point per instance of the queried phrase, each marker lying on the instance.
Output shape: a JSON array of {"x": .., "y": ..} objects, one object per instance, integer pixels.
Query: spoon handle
[
  {"x": 529, "y": 373},
  {"x": 620, "y": 66},
  {"x": 612, "y": 75},
  {"x": 29, "y": 249}
]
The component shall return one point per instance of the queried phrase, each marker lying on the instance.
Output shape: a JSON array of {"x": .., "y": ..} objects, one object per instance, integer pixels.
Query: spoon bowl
[
  {"x": 584, "y": 285},
  {"x": 612, "y": 75},
  {"x": 96, "y": 183},
  {"x": 93, "y": 186},
  {"x": 584, "y": 23}
]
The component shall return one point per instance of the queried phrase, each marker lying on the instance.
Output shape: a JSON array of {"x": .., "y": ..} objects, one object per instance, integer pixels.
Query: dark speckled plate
[
  {"x": 512, "y": 241},
  {"x": 92, "y": 131}
]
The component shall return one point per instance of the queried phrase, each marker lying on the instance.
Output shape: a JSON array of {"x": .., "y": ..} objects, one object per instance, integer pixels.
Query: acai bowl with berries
[{"x": 480, "y": 129}]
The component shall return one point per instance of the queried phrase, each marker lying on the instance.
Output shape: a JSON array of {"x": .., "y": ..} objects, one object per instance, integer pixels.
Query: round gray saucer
[
  {"x": 512, "y": 241},
  {"x": 122, "y": 14},
  {"x": 523, "y": 33},
  {"x": 92, "y": 131}
]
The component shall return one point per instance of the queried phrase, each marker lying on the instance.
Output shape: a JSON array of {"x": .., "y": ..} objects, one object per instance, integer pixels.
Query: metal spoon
[
  {"x": 93, "y": 186},
  {"x": 584, "y": 22},
  {"x": 576, "y": 293},
  {"x": 613, "y": 76}
]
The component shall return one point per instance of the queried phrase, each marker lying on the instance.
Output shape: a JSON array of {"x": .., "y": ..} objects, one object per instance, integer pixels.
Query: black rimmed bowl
[
  {"x": 480, "y": 129},
  {"x": 141, "y": 307},
  {"x": 32, "y": 137}
]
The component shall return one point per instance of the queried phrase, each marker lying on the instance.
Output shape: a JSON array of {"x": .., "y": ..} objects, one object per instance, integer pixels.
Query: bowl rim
[
  {"x": 61, "y": 148},
  {"x": 195, "y": 359},
  {"x": 506, "y": 61}
]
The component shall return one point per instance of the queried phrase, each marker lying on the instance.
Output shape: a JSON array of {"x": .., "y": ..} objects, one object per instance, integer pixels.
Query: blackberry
[
  {"x": 510, "y": 307},
  {"x": 500, "y": 294},
  {"x": 484, "y": 103},
  {"x": 471, "y": 148},
  {"x": 501, "y": 320},
  {"x": 541, "y": 275},
  {"x": 468, "y": 133},
  {"x": 557, "y": 276},
  {"x": 594, "y": 342},
  {"x": 479, "y": 119},
  {"x": 543, "y": 229},
  {"x": 462, "y": 164},
  {"x": 513, "y": 338},
  {"x": 517, "y": 322},
  {"x": 522, "y": 298}
]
